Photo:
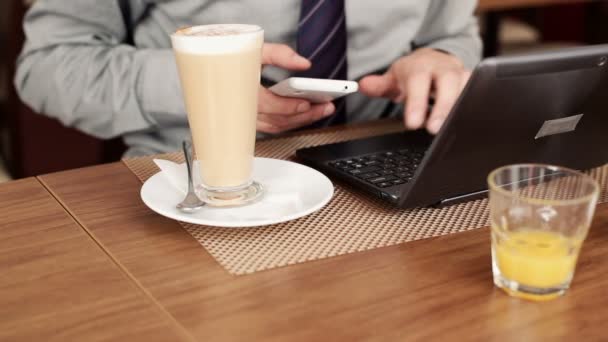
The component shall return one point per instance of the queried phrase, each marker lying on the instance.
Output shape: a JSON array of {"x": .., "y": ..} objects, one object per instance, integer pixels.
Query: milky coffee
[{"x": 219, "y": 68}]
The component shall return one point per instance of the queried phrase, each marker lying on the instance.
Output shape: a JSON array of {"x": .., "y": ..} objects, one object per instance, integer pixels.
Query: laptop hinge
[{"x": 461, "y": 198}]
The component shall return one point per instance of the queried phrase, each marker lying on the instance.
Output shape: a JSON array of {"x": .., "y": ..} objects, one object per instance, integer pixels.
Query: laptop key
[
  {"x": 388, "y": 166},
  {"x": 368, "y": 175},
  {"x": 355, "y": 172},
  {"x": 386, "y": 172},
  {"x": 357, "y": 166},
  {"x": 367, "y": 169},
  {"x": 398, "y": 181},
  {"x": 372, "y": 162},
  {"x": 384, "y": 184},
  {"x": 403, "y": 175},
  {"x": 382, "y": 179}
]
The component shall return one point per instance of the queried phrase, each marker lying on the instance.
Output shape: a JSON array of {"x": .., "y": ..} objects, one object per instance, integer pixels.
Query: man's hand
[
  {"x": 277, "y": 114},
  {"x": 413, "y": 78}
]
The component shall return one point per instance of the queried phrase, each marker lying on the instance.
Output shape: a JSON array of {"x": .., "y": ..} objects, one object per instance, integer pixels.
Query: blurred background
[{"x": 31, "y": 144}]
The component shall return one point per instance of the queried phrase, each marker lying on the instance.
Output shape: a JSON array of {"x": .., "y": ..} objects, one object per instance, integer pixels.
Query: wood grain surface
[
  {"x": 433, "y": 289},
  {"x": 57, "y": 284}
]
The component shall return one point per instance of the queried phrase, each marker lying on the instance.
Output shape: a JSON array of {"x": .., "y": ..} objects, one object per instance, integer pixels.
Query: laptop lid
[{"x": 540, "y": 108}]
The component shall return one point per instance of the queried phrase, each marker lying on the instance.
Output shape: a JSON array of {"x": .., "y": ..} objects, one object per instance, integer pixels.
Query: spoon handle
[{"x": 188, "y": 156}]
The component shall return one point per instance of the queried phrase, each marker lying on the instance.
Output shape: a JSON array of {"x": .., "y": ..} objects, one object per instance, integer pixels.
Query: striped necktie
[{"x": 322, "y": 39}]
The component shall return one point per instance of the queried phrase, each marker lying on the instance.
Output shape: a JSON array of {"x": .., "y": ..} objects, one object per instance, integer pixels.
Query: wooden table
[
  {"x": 56, "y": 283},
  {"x": 150, "y": 275}
]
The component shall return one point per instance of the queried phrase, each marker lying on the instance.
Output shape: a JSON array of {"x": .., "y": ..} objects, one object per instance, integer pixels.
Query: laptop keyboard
[{"x": 383, "y": 169}]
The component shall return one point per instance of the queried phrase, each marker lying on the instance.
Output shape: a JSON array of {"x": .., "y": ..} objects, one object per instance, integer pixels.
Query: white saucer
[{"x": 291, "y": 191}]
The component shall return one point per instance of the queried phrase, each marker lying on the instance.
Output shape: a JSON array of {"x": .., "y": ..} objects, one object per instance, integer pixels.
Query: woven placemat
[{"x": 351, "y": 222}]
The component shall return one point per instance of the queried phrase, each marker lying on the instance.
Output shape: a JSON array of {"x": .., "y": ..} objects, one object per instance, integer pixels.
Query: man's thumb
[{"x": 283, "y": 56}]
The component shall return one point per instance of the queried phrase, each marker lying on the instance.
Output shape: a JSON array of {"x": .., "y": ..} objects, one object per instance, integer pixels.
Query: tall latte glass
[{"x": 219, "y": 68}]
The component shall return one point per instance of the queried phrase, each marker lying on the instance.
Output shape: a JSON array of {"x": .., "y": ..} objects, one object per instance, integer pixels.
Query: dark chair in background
[{"x": 34, "y": 144}]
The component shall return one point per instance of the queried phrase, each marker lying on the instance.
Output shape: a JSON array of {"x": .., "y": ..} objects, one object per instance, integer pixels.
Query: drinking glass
[
  {"x": 219, "y": 68},
  {"x": 540, "y": 216}
]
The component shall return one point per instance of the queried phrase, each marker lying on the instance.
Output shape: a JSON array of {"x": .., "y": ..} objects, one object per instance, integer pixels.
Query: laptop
[{"x": 548, "y": 108}]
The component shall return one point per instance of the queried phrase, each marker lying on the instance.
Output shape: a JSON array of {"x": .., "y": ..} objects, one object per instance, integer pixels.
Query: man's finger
[
  {"x": 379, "y": 86},
  {"x": 417, "y": 88},
  {"x": 284, "y": 57},
  {"x": 270, "y": 103},
  {"x": 286, "y": 123},
  {"x": 265, "y": 127},
  {"x": 448, "y": 87},
  {"x": 466, "y": 76}
]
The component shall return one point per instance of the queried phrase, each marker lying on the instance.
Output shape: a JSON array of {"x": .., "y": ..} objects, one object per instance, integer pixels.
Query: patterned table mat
[{"x": 351, "y": 222}]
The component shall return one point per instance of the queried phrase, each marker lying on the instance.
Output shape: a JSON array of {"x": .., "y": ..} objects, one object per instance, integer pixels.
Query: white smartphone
[{"x": 315, "y": 90}]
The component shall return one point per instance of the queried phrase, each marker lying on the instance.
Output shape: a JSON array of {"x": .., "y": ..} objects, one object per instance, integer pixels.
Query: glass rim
[
  {"x": 255, "y": 30},
  {"x": 493, "y": 186}
]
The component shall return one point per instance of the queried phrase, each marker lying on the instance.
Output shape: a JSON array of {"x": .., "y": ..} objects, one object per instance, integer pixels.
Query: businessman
[{"x": 106, "y": 67}]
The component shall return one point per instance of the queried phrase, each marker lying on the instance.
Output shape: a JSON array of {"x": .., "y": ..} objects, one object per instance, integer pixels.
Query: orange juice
[{"x": 535, "y": 258}]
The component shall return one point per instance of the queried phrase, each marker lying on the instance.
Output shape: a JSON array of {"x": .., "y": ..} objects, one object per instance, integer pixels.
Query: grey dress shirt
[{"x": 76, "y": 66}]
